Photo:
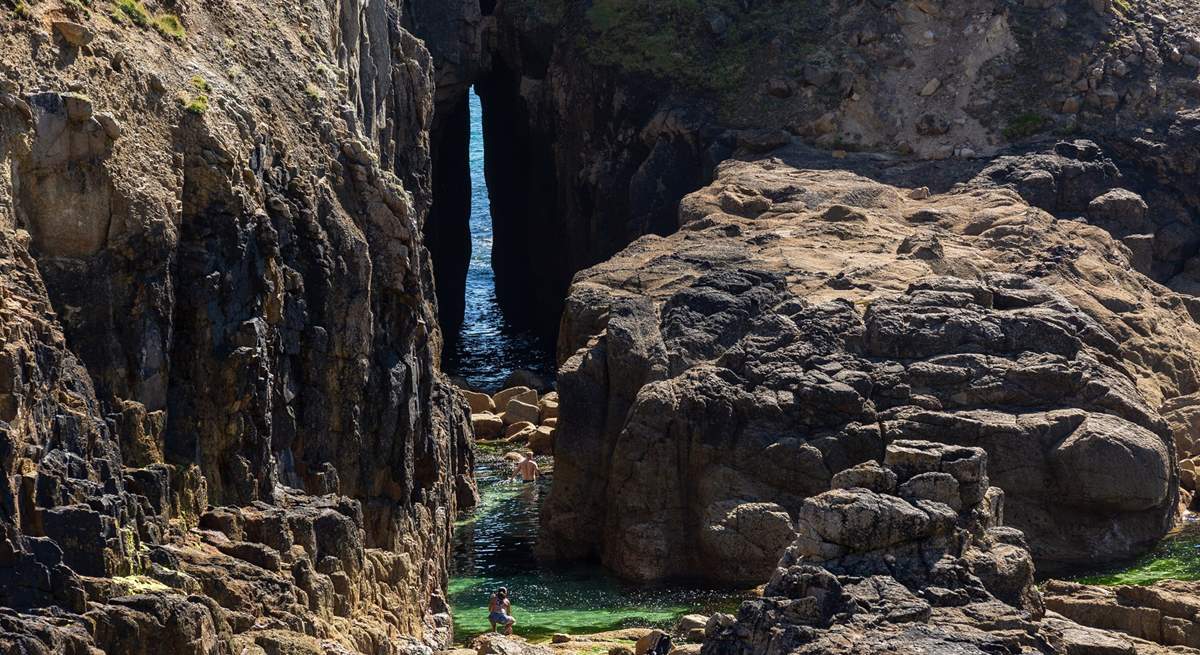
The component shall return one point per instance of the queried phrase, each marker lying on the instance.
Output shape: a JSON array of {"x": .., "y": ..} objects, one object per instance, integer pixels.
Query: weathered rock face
[
  {"x": 908, "y": 557},
  {"x": 601, "y": 115},
  {"x": 216, "y": 294},
  {"x": 801, "y": 320}
]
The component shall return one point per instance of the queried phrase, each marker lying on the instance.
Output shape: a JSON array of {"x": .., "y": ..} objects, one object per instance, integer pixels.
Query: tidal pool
[
  {"x": 494, "y": 547},
  {"x": 1177, "y": 557}
]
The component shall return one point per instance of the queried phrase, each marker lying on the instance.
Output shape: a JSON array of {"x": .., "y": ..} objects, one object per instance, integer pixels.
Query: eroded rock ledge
[{"x": 803, "y": 319}]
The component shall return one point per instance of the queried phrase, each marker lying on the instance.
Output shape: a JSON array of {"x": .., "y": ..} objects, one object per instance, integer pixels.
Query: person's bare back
[{"x": 528, "y": 469}]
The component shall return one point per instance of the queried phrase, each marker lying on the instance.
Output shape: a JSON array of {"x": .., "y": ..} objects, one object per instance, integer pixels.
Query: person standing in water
[
  {"x": 499, "y": 611},
  {"x": 527, "y": 469}
]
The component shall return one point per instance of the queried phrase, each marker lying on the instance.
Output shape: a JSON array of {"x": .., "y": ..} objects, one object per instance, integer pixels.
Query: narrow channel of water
[
  {"x": 489, "y": 347},
  {"x": 494, "y": 547}
]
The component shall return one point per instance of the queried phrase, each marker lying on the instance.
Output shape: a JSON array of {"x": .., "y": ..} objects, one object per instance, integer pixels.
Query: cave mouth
[{"x": 488, "y": 335}]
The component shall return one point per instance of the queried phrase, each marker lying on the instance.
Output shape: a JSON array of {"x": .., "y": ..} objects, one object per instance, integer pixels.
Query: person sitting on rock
[
  {"x": 527, "y": 468},
  {"x": 498, "y": 611}
]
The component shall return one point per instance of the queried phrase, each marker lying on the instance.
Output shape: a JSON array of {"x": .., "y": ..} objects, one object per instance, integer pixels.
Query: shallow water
[
  {"x": 489, "y": 347},
  {"x": 494, "y": 547},
  {"x": 1177, "y": 557}
]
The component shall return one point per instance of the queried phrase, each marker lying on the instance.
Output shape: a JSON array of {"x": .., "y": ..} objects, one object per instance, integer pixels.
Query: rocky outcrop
[
  {"x": 216, "y": 295},
  {"x": 908, "y": 557},
  {"x": 802, "y": 319},
  {"x": 1164, "y": 612}
]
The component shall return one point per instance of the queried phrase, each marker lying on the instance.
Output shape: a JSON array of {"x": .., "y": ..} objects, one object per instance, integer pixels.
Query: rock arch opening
[{"x": 493, "y": 259}]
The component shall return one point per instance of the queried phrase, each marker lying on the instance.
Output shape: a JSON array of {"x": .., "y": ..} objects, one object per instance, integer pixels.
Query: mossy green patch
[
  {"x": 1025, "y": 125},
  {"x": 132, "y": 10},
  {"x": 168, "y": 25},
  {"x": 20, "y": 9},
  {"x": 1175, "y": 558},
  {"x": 139, "y": 584}
]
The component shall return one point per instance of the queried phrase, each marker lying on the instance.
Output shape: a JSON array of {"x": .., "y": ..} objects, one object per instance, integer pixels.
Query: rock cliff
[
  {"x": 803, "y": 318},
  {"x": 223, "y": 427},
  {"x": 604, "y": 114}
]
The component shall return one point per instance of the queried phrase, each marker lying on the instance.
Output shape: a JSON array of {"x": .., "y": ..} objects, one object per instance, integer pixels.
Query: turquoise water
[
  {"x": 489, "y": 347},
  {"x": 494, "y": 547},
  {"x": 1177, "y": 557}
]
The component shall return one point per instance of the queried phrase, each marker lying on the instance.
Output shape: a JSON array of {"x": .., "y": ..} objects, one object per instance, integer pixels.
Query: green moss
[
  {"x": 139, "y": 584},
  {"x": 132, "y": 10},
  {"x": 1023, "y": 126},
  {"x": 313, "y": 91},
  {"x": 200, "y": 84},
  {"x": 197, "y": 105},
  {"x": 168, "y": 25},
  {"x": 21, "y": 10}
]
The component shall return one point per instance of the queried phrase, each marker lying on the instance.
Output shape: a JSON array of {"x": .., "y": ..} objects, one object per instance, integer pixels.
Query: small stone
[
  {"x": 920, "y": 193},
  {"x": 111, "y": 127},
  {"x": 79, "y": 108},
  {"x": 931, "y": 87}
]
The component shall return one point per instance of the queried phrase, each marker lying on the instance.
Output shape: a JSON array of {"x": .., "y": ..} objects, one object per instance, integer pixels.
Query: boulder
[
  {"x": 649, "y": 641},
  {"x": 518, "y": 411},
  {"x": 525, "y": 435},
  {"x": 479, "y": 402},
  {"x": 514, "y": 428},
  {"x": 1121, "y": 212},
  {"x": 524, "y": 394},
  {"x": 74, "y": 33},
  {"x": 548, "y": 409},
  {"x": 487, "y": 425},
  {"x": 868, "y": 475},
  {"x": 541, "y": 440},
  {"x": 689, "y": 622}
]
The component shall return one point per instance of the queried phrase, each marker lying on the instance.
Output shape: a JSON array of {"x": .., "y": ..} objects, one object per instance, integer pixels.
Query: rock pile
[
  {"x": 907, "y": 557},
  {"x": 801, "y": 319},
  {"x": 515, "y": 416}
]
